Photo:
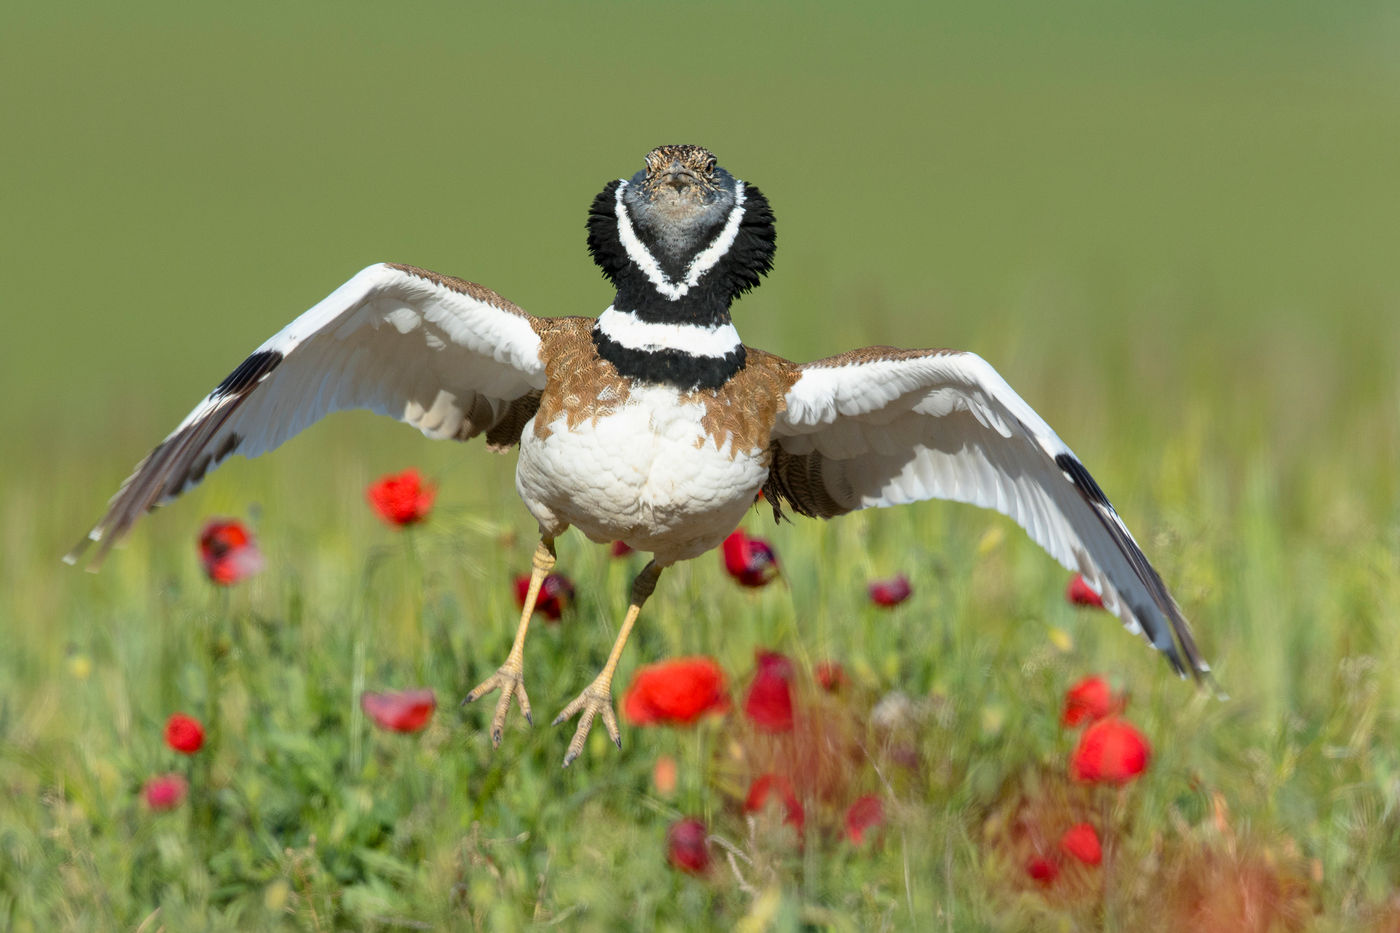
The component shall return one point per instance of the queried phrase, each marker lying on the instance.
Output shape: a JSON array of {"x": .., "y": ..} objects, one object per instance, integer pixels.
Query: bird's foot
[
  {"x": 595, "y": 700},
  {"x": 509, "y": 679}
]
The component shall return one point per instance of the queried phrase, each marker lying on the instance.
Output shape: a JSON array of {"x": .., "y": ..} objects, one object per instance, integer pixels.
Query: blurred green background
[
  {"x": 1173, "y": 229},
  {"x": 179, "y": 180}
]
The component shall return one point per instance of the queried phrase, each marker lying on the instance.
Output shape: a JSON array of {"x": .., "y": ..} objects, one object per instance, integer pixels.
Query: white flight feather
[
  {"x": 946, "y": 425},
  {"x": 387, "y": 340}
]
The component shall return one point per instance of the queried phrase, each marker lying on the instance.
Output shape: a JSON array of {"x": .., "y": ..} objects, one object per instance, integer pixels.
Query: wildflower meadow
[{"x": 1171, "y": 227}]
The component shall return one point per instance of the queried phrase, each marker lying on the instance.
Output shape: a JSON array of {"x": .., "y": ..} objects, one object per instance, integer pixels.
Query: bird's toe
[
  {"x": 510, "y": 681},
  {"x": 594, "y": 701}
]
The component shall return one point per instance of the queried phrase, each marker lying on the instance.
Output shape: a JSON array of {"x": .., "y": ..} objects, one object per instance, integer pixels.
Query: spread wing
[
  {"x": 880, "y": 427},
  {"x": 449, "y": 357}
]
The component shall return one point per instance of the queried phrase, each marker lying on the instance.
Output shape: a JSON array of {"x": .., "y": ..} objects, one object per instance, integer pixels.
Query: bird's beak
[{"x": 678, "y": 176}]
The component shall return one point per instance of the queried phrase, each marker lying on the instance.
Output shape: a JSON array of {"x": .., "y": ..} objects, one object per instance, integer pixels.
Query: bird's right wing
[
  {"x": 449, "y": 357},
  {"x": 881, "y": 426}
]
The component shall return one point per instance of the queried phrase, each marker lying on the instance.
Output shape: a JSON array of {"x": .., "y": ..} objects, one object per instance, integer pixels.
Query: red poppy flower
[
  {"x": 830, "y": 676},
  {"x": 402, "y": 498},
  {"x": 1087, "y": 701},
  {"x": 556, "y": 592},
  {"x": 399, "y": 710},
  {"x": 751, "y": 561},
  {"x": 1079, "y": 593},
  {"x": 865, "y": 814},
  {"x": 765, "y": 786},
  {"x": 165, "y": 791},
  {"x": 227, "y": 551},
  {"x": 184, "y": 733},
  {"x": 1111, "y": 751},
  {"x": 1043, "y": 870},
  {"x": 621, "y": 549},
  {"x": 1081, "y": 841},
  {"x": 675, "y": 692},
  {"x": 890, "y": 592},
  {"x": 769, "y": 701},
  {"x": 687, "y": 848}
]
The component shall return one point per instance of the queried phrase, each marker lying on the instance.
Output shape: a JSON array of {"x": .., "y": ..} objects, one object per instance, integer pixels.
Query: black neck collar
[{"x": 679, "y": 369}]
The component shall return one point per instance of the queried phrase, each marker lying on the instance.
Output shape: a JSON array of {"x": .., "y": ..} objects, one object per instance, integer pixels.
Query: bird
[{"x": 653, "y": 423}]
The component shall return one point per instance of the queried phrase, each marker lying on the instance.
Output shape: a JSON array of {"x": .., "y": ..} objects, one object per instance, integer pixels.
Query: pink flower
[
  {"x": 687, "y": 848},
  {"x": 1111, "y": 751},
  {"x": 1079, "y": 593},
  {"x": 402, "y": 498},
  {"x": 556, "y": 592},
  {"x": 751, "y": 561},
  {"x": 399, "y": 710},
  {"x": 769, "y": 701},
  {"x": 228, "y": 552},
  {"x": 1087, "y": 701},
  {"x": 1081, "y": 841},
  {"x": 676, "y": 692},
  {"x": 865, "y": 814},
  {"x": 764, "y": 787},
  {"x": 890, "y": 592},
  {"x": 184, "y": 733},
  {"x": 165, "y": 791}
]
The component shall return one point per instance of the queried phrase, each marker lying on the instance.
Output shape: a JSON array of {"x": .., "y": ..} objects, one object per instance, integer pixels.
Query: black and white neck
[
  {"x": 680, "y": 241},
  {"x": 687, "y": 356}
]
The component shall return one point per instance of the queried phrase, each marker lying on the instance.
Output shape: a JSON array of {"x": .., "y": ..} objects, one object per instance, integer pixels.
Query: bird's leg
[
  {"x": 509, "y": 678},
  {"x": 596, "y": 698}
]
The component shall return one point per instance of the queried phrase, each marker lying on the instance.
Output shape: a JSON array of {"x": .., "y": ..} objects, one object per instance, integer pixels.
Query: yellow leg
[
  {"x": 509, "y": 678},
  {"x": 596, "y": 698}
]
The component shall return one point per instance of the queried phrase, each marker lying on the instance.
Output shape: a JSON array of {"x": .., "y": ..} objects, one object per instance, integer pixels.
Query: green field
[{"x": 1173, "y": 230}]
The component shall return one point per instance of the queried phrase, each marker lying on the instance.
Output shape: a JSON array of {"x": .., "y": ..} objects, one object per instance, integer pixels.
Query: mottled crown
[
  {"x": 666, "y": 162},
  {"x": 696, "y": 158}
]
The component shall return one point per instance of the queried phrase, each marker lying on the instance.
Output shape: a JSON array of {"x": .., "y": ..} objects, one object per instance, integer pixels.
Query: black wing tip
[
  {"x": 1078, "y": 474},
  {"x": 1202, "y": 676},
  {"x": 75, "y": 554},
  {"x": 1181, "y": 642},
  {"x": 143, "y": 490},
  {"x": 248, "y": 373},
  {"x": 1175, "y": 639},
  {"x": 78, "y": 555}
]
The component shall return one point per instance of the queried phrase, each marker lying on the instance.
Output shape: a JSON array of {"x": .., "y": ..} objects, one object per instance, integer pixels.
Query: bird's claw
[
  {"x": 509, "y": 679},
  {"x": 595, "y": 700}
]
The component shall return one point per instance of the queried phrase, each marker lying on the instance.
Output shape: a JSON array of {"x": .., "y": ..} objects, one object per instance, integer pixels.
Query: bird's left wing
[
  {"x": 880, "y": 427},
  {"x": 447, "y": 356}
]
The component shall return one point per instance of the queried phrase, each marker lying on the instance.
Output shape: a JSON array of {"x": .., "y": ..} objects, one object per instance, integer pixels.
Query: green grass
[{"x": 1172, "y": 230}]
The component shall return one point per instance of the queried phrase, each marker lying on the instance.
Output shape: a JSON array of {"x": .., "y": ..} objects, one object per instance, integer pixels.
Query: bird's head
[
  {"x": 681, "y": 198},
  {"x": 682, "y": 227}
]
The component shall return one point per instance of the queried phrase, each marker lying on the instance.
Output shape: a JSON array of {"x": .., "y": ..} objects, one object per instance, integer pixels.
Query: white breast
[{"x": 647, "y": 474}]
